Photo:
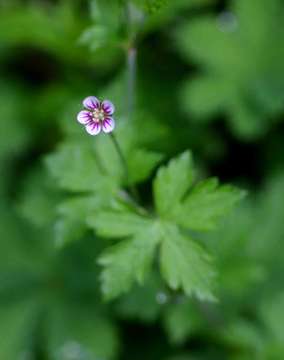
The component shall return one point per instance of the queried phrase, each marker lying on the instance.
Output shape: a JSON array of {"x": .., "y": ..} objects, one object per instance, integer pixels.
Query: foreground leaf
[
  {"x": 117, "y": 224},
  {"x": 206, "y": 204},
  {"x": 128, "y": 261},
  {"x": 185, "y": 265},
  {"x": 171, "y": 183}
]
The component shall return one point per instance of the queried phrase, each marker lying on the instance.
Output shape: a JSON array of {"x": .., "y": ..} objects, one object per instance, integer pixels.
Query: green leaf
[
  {"x": 244, "y": 334},
  {"x": 96, "y": 37},
  {"x": 272, "y": 312},
  {"x": 181, "y": 321},
  {"x": 142, "y": 302},
  {"x": 39, "y": 198},
  {"x": 238, "y": 271},
  {"x": 204, "y": 40},
  {"x": 185, "y": 265},
  {"x": 116, "y": 224},
  {"x": 205, "y": 96},
  {"x": 106, "y": 13},
  {"x": 80, "y": 330},
  {"x": 107, "y": 20},
  {"x": 77, "y": 168},
  {"x": 63, "y": 20},
  {"x": 73, "y": 214},
  {"x": 128, "y": 261},
  {"x": 225, "y": 47},
  {"x": 17, "y": 321},
  {"x": 171, "y": 183},
  {"x": 154, "y": 5},
  {"x": 141, "y": 163},
  {"x": 12, "y": 104},
  {"x": 206, "y": 204}
]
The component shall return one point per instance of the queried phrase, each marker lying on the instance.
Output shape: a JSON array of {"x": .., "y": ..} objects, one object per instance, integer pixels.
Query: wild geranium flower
[{"x": 97, "y": 116}]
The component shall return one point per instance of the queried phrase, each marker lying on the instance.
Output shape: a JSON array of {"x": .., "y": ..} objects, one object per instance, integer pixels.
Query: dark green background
[{"x": 210, "y": 78}]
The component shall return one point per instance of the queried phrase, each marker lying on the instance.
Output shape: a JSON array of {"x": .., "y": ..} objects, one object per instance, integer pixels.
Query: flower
[{"x": 97, "y": 116}]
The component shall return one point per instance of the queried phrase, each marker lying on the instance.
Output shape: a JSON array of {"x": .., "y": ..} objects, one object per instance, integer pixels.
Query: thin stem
[
  {"x": 132, "y": 189},
  {"x": 131, "y": 82},
  {"x": 121, "y": 156},
  {"x": 131, "y": 79},
  {"x": 131, "y": 57}
]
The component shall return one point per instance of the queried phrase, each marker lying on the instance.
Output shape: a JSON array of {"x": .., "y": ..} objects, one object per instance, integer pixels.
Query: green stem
[
  {"x": 130, "y": 52},
  {"x": 131, "y": 79},
  {"x": 132, "y": 189}
]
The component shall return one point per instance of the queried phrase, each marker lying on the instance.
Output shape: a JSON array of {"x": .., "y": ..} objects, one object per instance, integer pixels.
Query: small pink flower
[{"x": 97, "y": 116}]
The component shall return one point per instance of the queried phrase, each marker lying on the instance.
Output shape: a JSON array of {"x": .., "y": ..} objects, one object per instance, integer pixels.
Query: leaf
[
  {"x": 202, "y": 207},
  {"x": 244, "y": 334},
  {"x": 142, "y": 302},
  {"x": 96, "y": 37},
  {"x": 107, "y": 19},
  {"x": 128, "y": 261},
  {"x": 171, "y": 184},
  {"x": 73, "y": 214},
  {"x": 77, "y": 168},
  {"x": 39, "y": 198},
  {"x": 185, "y": 265},
  {"x": 155, "y": 5},
  {"x": 205, "y": 34},
  {"x": 17, "y": 321},
  {"x": 81, "y": 330},
  {"x": 205, "y": 96},
  {"x": 272, "y": 313},
  {"x": 12, "y": 103},
  {"x": 106, "y": 13},
  {"x": 239, "y": 271},
  {"x": 141, "y": 163},
  {"x": 181, "y": 321},
  {"x": 206, "y": 204},
  {"x": 116, "y": 224},
  {"x": 22, "y": 248},
  {"x": 140, "y": 160},
  {"x": 225, "y": 47},
  {"x": 63, "y": 20}
]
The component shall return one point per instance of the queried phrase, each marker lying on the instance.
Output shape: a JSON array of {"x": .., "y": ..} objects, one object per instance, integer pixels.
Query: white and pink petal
[
  {"x": 91, "y": 103},
  {"x": 108, "y": 125},
  {"x": 108, "y": 107},
  {"x": 94, "y": 128},
  {"x": 84, "y": 117}
]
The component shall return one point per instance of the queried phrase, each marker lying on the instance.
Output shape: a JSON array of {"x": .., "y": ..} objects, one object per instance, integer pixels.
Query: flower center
[{"x": 98, "y": 115}]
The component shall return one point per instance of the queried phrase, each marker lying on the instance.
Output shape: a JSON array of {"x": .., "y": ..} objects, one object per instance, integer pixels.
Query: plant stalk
[
  {"x": 131, "y": 80},
  {"x": 119, "y": 151}
]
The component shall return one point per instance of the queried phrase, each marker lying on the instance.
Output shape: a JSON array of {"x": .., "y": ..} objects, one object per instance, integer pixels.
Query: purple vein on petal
[
  {"x": 108, "y": 125},
  {"x": 108, "y": 107},
  {"x": 84, "y": 117},
  {"x": 91, "y": 102},
  {"x": 93, "y": 128}
]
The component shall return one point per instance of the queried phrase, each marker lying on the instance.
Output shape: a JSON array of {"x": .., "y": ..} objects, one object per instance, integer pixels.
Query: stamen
[{"x": 98, "y": 115}]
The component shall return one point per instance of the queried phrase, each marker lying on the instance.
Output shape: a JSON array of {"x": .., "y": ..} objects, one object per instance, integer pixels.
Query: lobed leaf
[
  {"x": 128, "y": 261},
  {"x": 185, "y": 265},
  {"x": 206, "y": 204},
  {"x": 116, "y": 224},
  {"x": 171, "y": 183}
]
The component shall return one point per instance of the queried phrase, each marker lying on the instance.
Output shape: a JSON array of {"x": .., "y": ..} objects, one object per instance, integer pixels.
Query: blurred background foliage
[{"x": 210, "y": 78}]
